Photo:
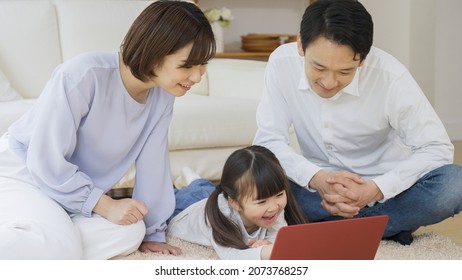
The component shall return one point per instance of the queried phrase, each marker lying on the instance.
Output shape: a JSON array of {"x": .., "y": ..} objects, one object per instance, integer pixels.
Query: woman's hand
[
  {"x": 160, "y": 247},
  {"x": 125, "y": 211}
]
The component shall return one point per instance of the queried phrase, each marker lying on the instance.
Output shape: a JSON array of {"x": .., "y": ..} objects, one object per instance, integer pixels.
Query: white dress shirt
[{"x": 381, "y": 126}]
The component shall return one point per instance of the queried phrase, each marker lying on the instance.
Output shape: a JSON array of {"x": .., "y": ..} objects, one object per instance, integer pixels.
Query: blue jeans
[
  {"x": 433, "y": 198},
  {"x": 194, "y": 192}
]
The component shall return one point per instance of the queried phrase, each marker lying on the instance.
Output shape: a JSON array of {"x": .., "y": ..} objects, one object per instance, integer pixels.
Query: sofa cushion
[
  {"x": 7, "y": 93},
  {"x": 29, "y": 45},
  {"x": 202, "y": 88},
  {"x": 11, "y": 111},
  {"x": 210, "y": 122},
  {"x": 95, "y": 25},
  {"x": 224, "y": 82}
]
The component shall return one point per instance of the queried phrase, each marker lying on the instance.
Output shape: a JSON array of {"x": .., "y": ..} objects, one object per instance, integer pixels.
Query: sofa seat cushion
[
  {"x": 7, "y": 92},
  {"x": 11, "y": 111},
  {"x": 212, "y": 122}
]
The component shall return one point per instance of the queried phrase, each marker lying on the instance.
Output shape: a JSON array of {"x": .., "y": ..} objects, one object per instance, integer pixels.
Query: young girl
[
  {"x": 242, "y": 215},
  {"x": 100, "y": 113}
]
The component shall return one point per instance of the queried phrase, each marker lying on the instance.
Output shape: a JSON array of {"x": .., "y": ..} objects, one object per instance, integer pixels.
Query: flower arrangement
[{"x": 223, "y": 16}]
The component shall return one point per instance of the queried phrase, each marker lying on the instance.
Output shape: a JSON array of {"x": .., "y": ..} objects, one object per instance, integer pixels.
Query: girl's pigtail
[
  {"x": 293, "y": 213},
  {"x": 225, "y": 232}
]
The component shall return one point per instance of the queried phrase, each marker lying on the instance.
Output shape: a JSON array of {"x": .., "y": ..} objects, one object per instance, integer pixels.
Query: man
[{"x": 370, "y": 142}]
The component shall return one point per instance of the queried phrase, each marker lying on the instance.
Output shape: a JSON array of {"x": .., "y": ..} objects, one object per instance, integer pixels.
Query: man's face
[{"x": 329, "y": 66}]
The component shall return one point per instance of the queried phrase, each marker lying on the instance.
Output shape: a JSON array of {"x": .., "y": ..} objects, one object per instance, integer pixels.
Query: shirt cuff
[
  {"x": 156, "y": 234},
  {"x": 388, "y": 186},
  {"x": 304, "y": 173},
  {"x": 91, "y": 201}
]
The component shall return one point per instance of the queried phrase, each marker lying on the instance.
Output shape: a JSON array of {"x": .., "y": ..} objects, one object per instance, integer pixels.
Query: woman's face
[
  {"x": 260, "y": 213},
  {"x": 173, "y": 77}
]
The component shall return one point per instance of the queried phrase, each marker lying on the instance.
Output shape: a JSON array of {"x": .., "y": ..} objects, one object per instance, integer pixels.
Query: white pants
[{"x": 33, "y": 226}]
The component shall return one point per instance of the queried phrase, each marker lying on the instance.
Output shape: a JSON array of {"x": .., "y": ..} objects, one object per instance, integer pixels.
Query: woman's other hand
[{"x": 124, "y": 211}]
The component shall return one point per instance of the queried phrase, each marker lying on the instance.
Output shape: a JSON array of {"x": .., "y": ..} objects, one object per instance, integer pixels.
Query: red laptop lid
[{"x": 347, "y": 239}]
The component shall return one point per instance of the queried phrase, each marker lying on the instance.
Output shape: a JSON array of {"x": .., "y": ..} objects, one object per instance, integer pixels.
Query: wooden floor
[{"x": 451, "y": 227}]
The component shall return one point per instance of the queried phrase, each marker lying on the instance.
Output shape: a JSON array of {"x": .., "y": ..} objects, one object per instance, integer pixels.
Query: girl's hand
[
  {"x": 160, "y": 247},
  {"x": 125, "y": 211},
  {"x": 266, "y": 252},
  {"x": 257, "y": 243}
]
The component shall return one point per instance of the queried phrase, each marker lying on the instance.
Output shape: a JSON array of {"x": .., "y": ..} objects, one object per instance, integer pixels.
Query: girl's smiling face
[
  {"x": 175, "y": 78},
  {"x": 257, "y": 213}
]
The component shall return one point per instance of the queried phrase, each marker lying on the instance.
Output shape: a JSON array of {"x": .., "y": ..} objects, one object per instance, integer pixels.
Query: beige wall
[
  {"x": 258, "y": 16},
  {"x": 423, "y": 34},
  {"x": 448, "y": 65}
]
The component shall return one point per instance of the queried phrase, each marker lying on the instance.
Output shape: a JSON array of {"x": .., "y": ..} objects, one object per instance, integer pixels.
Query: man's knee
[{"x": 446, "y": 187}]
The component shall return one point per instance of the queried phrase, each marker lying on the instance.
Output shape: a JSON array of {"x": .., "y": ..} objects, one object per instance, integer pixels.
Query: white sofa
[{"x": 215, "y": 118}]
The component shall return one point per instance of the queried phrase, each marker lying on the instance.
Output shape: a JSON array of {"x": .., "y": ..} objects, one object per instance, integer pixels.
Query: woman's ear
[
  {"x": 301, "y": 51},
  {"x": 234, "y": 204}
]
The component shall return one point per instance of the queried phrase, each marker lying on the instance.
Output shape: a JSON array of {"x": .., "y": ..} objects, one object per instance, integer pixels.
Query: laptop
[{"x": 347, "y": 239}]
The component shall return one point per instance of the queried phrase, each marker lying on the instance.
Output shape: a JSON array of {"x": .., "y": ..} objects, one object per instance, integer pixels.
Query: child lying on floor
[{"x": 241, "y": 216}]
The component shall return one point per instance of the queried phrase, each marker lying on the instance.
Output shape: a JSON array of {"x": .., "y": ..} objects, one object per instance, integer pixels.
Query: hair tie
[{"x": 219, "y": 188}]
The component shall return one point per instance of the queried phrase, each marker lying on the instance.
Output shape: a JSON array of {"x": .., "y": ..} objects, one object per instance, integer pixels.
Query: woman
[{"x": 99, "y": 114}]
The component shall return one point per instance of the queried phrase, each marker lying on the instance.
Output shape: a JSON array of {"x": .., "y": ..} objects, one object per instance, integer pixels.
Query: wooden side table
[{"x": 262, "y": 56}]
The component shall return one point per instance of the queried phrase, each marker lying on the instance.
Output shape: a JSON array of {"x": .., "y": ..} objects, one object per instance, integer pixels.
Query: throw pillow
[{"x": 7, "y": 93}]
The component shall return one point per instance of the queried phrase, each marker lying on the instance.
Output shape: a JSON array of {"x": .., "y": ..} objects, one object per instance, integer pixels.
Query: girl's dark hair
[
  {"x": 246, "y": 170},
  {"x": 162, "y": 29},
  {"x": 345, "y": 22}
]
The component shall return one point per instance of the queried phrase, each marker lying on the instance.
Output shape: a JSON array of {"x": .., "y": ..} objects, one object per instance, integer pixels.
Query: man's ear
[
  {"x": 301, "y": 51},
  {"x": 234, "y": 204}
]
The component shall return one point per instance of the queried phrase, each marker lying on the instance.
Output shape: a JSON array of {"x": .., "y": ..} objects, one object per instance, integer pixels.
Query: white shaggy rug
[{"x": 428, "y": 246}]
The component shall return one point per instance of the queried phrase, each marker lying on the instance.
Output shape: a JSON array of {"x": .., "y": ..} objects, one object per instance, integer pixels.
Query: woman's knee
[
  {"x": 130, "y": 236},
  {"x": 129, "y": 240},
  {"x": 135, "y": 233},
  {"x": 32, "y": 240},
  {"x": 37, "y": 228}
]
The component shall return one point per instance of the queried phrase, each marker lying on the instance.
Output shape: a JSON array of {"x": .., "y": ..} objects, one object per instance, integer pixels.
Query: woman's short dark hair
[
  {"x": 345, "y": 22},
  {"x": 163, "y": 28}
]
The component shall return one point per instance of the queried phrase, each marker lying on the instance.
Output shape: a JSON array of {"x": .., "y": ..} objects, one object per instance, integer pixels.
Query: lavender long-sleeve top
[{"x": 85, "y": 131}]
